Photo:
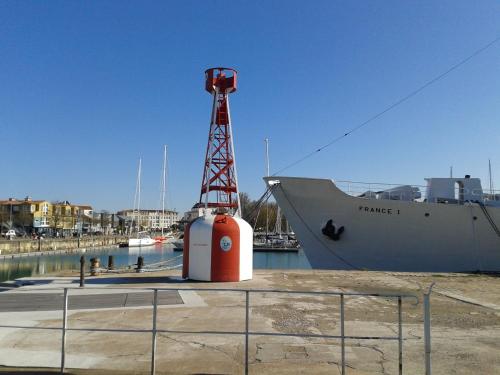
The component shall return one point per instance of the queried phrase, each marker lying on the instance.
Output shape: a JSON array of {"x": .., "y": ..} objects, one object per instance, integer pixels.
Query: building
[
  {"x": 193, "y": 213},
  {"x": 28, "y": 216},
  {"x": 149, "y": 219}
]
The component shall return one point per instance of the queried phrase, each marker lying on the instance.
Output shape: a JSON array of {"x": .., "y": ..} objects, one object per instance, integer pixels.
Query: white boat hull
[
  {"x": 134, "y": 242},
  {"x": 387, "y": 234}
]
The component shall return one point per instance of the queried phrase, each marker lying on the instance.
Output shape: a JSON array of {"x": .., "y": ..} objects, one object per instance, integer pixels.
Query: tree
[
  {"x": 56, "y": 218},
  {"x": 24, "y": 219},
  {"x": 105, "y": 221},
  {"x": 256, "y": 215},
  {"x": 4, "y": 216},
  {"x": 246, "y": 205}
]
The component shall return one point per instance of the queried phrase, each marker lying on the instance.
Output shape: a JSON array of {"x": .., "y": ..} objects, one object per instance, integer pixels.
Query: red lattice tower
[{"x": 219, "y": 175}]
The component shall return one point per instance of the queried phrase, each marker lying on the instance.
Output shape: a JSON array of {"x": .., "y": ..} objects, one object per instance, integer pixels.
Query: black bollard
[
  {"x": 140, "y": 264},
  {"x": 82, "y": 271},
  {"x": 111, "y": 262}
]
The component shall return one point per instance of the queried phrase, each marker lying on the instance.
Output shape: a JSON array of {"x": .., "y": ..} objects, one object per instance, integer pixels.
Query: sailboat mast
[
  {"x": 491, "y": 180},
  {"x": 163, "y": 188},
  {"x": 266, "y": 141},
  {"x": 139, "y": 194}
]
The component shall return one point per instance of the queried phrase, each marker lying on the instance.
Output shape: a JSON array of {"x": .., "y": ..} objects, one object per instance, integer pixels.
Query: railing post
[
  {"x": 400, "y": 335},
  {"x": 427, "y": 330},
  {"x": 153, "y": 347},
  {"x": 65, "y": 322},
  {"x": 342, "y": 333},
  {"x": 247, "y": 308}
]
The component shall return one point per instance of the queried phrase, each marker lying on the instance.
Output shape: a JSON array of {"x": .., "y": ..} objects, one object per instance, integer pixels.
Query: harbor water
[{"x": 12, "y": 268}]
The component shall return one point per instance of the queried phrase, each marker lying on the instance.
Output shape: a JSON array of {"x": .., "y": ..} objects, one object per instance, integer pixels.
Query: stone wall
[{"x": 27, "y": 245}]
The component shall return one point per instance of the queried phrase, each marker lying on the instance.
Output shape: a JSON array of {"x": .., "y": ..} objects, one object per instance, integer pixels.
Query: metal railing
[
  {"x": 247, "y": 332},
  {"x": 377, "y": 190},
  {"x": 374, "y": 190}
]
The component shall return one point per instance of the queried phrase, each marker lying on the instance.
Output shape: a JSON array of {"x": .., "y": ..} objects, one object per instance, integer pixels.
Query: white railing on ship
[{"x": 358, "y": 188}]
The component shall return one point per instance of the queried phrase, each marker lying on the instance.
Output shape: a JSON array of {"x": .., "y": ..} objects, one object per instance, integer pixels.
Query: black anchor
[{"x": 331, "y": 230}]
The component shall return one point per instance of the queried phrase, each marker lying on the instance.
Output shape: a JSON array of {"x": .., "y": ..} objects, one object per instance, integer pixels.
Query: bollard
[
  {"x": 140, "y": 264},
  {"x": 82, "y": 271},
  {"x": 94, "y": 266},
  {"x": 111, "y": 262}
]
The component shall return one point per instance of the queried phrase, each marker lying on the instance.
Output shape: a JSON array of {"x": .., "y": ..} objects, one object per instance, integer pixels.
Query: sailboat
[
  {"x": 276, "y": 239},
  {"x": 142, "y": 238},
  {"x": 163, "y": 237}
]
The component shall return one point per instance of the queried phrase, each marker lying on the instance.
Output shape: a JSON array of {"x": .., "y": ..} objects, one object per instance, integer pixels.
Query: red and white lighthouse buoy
[{"x": 218, "y": 246}]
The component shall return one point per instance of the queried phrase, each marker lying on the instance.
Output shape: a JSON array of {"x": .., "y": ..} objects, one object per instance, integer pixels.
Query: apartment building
[
  {"x": 150, "y": 219},
  {"x": 42, "y": 216}
]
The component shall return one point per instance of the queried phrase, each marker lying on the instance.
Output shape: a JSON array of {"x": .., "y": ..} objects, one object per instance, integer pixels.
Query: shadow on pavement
[{"x": 133, "y": 280}]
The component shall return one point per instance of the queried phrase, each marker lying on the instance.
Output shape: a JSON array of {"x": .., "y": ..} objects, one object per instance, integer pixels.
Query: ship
[{"x": 448, "y": 225}]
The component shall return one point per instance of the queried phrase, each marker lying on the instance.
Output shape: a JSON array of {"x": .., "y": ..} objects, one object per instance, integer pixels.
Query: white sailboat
[
  {"x": 275, "y": 239},
  {"x": 164, "y": 237},
  {"x": 142, "y": 238}
]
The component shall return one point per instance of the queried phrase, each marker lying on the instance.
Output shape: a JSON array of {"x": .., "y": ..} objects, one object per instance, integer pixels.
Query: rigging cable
[
  {"x": 489, "y": 218},
  {"x": 257, "y": 206},
  {"x": 393, "y": 105}
]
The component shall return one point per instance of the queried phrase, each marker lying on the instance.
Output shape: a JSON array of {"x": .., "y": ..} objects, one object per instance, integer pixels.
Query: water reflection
[
  {"x": 273, "y": 260},
  {"x": 13, "y": 268}
]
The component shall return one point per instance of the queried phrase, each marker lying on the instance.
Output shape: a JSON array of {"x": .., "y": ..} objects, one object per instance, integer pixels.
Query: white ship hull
[{"x": 383, "y": 234}]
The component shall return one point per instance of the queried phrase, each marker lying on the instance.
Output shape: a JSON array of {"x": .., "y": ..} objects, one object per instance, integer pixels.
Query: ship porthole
[
  {"x": 474, "y": 218},
  {"x": 427, "y": 214}
]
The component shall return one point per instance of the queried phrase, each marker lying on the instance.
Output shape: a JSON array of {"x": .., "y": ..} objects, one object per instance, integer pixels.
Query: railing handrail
[
  {"x": 358, "y": 188},
  {"x": 376, "y": 183},
  {"x": 235, "y": 290},
  {"x": 485, "y": 190}
]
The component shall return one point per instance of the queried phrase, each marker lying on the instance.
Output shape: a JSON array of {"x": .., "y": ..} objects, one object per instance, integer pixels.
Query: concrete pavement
[{"x": 465, "y": 335}]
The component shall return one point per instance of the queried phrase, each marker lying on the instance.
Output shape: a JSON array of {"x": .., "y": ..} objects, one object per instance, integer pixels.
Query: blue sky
[{"x": 86, "y": 87}]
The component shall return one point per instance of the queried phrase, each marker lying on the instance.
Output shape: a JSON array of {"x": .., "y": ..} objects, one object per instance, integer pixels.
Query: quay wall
[{"x": 18, "y": 246}]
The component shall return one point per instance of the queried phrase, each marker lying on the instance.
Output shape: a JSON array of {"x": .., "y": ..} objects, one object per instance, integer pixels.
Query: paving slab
[{"x": 55, "y": 301}]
